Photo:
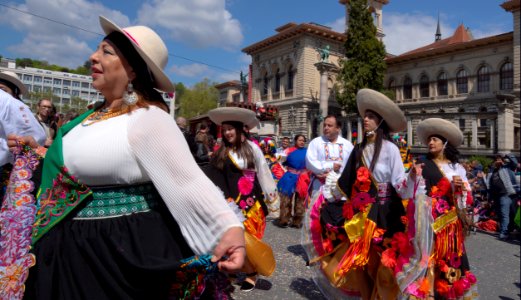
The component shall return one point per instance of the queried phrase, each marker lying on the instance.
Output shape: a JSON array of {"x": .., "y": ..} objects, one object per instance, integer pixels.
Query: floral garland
[{"x": 16, "y": 221}]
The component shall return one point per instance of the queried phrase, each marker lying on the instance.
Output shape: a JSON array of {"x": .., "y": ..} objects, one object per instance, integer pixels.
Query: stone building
[{"x": 473, "y": 82}]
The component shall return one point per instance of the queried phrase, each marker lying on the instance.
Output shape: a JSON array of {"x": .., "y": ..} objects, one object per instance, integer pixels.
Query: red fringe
[{"x": 449, "y": 240}]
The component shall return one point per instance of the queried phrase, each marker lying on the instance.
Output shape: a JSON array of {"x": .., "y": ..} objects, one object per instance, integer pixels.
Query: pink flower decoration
[
  {"x": 361, "y": 200},
  {"x": 442, "y": 206},
  {"x": 455, "y": 260},
  {"x": 250, "y": 201},
  {"x": 472, "y": 279},
  {"x": 245, "y": 185},
  {"x": 242, "y": 204}
]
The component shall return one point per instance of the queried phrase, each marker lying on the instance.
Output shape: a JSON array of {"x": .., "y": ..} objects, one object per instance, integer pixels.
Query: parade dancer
[
  {"x": 121, "y": 203},
  {"x": 240, "y": 170},
  {"x": 293, "y": 186},
  {"x": 435, "y": 264}
]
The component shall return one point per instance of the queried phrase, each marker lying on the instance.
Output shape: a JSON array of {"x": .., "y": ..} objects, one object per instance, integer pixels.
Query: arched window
[
  {"x": 506, "y": 76},
  {"x": 265, "y": 84},
  {"x": 424, "y": 86},
  {"x": 442, "y": 84},
  {"x": 291, "y": 74},
  {"x": 462, "y": 82},
  {"x": 483, "y": 80},
  {"x": 407, "y": 88},
  {"x": 277, "y": 81}
]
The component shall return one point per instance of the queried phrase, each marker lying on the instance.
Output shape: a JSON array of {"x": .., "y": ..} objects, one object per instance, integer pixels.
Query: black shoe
[
  {"x": 282, "y": 224},
  {"x": 249, "y": 282}
]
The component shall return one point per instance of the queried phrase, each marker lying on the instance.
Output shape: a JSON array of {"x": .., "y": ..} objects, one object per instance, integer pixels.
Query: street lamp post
[{"x": 292, "y": 118}]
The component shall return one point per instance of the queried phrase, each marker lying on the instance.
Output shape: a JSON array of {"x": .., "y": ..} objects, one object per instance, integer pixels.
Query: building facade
[
  {"x": 65, "y": 86},
  {"x": 472, "y": 82}
]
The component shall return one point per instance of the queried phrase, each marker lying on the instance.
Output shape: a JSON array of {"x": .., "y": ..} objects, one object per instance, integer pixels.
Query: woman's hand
[
  {"x": 13, "y": 141},
  {"x": 416, "y": 170},
  {"x": 231, "y": 245}
]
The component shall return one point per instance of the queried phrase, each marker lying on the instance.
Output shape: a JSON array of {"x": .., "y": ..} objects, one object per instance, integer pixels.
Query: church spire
[{"x": 437, "y": 37}]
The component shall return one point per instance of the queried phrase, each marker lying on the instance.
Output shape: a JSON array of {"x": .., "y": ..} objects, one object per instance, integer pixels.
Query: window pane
[
  {"x": 483, "y": 80},
  {"x": 442, "y": 85},
  {"x": 424, "y": 86},
  {"x": 462, "y": 82},
  {"x": 407, "y": 88},
  {"x": 506, "y": 77}
]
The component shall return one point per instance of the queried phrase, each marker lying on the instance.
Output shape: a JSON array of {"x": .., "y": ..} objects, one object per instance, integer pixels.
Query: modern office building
[{"x": 65, "y": 86}]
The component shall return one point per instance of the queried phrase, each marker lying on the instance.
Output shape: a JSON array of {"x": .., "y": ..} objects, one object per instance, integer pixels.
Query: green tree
[
  {"x": 198, "y": 100},
  {"x": 364, "y": 66}
]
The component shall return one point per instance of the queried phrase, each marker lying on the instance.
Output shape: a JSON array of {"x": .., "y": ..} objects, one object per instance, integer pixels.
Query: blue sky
[{"x": 205, "y": 37}]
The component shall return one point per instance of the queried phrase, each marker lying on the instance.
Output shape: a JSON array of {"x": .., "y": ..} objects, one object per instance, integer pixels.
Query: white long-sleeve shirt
[
  {"x": 389, "y": 168},
  {"x": 323, "y": 154},
  {"x": 146, "y": 145},
  {"x": 16, "y": 118}
]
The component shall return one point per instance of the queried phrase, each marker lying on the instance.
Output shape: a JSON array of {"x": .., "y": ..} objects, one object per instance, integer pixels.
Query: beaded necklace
[{"x": 103, "y": 114}]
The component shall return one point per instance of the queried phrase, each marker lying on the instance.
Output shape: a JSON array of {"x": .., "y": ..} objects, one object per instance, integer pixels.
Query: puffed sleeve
[
  {"x": 312, "y": 161},
  {"x": 402, "y": 183},
  {"x": 194, "y": 201},
  {"x": 18, "y": 119},
  {"x": 268, "y": 185}
]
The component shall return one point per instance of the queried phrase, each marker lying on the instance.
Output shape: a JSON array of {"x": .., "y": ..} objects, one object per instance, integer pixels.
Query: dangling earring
[{"x": 130, "y": 97}]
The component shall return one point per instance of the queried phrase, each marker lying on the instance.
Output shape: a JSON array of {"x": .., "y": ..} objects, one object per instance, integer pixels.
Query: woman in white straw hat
[
  {"x": 439, "y": 267},
  {"x": 11, "y": 84},
  {"x": 374, "y": 183},
  {"x": 122, "y": 202},
  {"x": 238, "y": 167}
]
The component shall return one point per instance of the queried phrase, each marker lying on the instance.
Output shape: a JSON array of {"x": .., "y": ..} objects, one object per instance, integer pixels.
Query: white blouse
[
  {"x": 146, "y": 145},
  {"x": 389, "y": 168}
]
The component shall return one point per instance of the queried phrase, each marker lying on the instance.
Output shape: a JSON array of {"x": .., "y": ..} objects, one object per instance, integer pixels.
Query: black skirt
[{"x": 132, "y": 256}]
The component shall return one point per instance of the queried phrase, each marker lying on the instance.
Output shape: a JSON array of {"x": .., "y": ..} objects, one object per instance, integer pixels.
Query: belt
[{"x": 117, "y": 201}]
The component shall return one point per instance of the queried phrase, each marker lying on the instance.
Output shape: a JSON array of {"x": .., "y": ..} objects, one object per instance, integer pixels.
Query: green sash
[{"x": 59, "y": 192}]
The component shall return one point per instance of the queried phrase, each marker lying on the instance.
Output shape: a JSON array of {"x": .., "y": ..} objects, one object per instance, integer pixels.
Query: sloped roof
[
  {"x": 291, "y": 29},
  {"x": 460, "y": 40}
]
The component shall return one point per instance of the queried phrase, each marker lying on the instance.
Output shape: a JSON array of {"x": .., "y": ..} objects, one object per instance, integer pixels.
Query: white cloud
[
  {"x": 408, "y": 31},
  {"x": 54, "y": 42},
  {"x": 199, "y": 23},
  {"x": 245, "y": 59},
  {"x": 192, "y": 70},
  {"x": 339, "y": 25}
]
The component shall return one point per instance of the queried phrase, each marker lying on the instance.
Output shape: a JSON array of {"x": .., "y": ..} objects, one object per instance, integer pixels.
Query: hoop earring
[{"x": 130, "y": 97}]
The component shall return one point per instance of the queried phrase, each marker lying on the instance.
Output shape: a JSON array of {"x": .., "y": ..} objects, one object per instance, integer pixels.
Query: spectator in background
[
  {"x": 284, "y": 147},
  {"x": 501, "y": 182},
  {"x": 202, "y": 153},
  {"x": 181, "y": 123},
  {"x": 43, "y": 116}
]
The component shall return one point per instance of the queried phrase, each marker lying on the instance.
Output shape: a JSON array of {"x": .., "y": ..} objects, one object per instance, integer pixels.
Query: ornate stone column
[
  {"x": 409, "y": 132},
  {"x": 474, "y": 141},
  {"x": 360, "y": 131},
  {"x": 325, "y": 69},
  {"x": 505, "y": 121}
]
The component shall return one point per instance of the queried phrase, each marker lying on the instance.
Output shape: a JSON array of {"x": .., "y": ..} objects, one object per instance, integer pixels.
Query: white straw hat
[
  {"x": 367, "y": 99},
  {"x": 233, "y": 114},
  {"x": 441, "y": 127},
  {"x": 13, "y": 78},
  {"x": 149, "y": 46}
]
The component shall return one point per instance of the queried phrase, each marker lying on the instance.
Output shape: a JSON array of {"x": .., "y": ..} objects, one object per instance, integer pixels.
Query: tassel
[{"x": 449, "y": 240}]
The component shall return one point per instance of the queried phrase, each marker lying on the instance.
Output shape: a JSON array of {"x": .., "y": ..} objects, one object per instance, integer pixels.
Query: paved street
[{"x": 495, "y": 263}]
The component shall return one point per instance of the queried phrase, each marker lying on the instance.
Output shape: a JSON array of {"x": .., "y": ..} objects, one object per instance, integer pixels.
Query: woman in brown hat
[
  {"x": 238, "y": 167},
  {"x": 122, "y": 202},
  {"x": 374, "y": 182},
  {"x": 438, "y": 267}
]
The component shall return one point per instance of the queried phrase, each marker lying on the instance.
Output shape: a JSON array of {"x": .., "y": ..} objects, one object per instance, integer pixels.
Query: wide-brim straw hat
[
  {"x": 13, "y": 78},
  {"x": 441, "y": 127},
  {"x": 233, "y": 114},
  {"x": 367, "y": 99},
  {"x": 149, "y": 46}
]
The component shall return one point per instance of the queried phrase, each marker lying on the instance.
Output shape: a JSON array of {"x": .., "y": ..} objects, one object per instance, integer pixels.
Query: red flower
[
  {"x": 443, "y": 266},
  {"x": 472, "y": 279},
  {"x": 443, "y": 186},
  {"x": 442, "y": 287},
  {"x": 389, "y": 258},
  {"x": 347, "y": 210},
  {"x": 361, "y": 200},
  {"x": 459, "y": 288},
  {"x": 400, "y": 242}
]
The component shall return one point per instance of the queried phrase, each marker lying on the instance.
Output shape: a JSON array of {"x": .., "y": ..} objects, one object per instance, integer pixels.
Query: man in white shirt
[
  {"x": 327, "y": 153},
  {"x": 16, "y": 118}
]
